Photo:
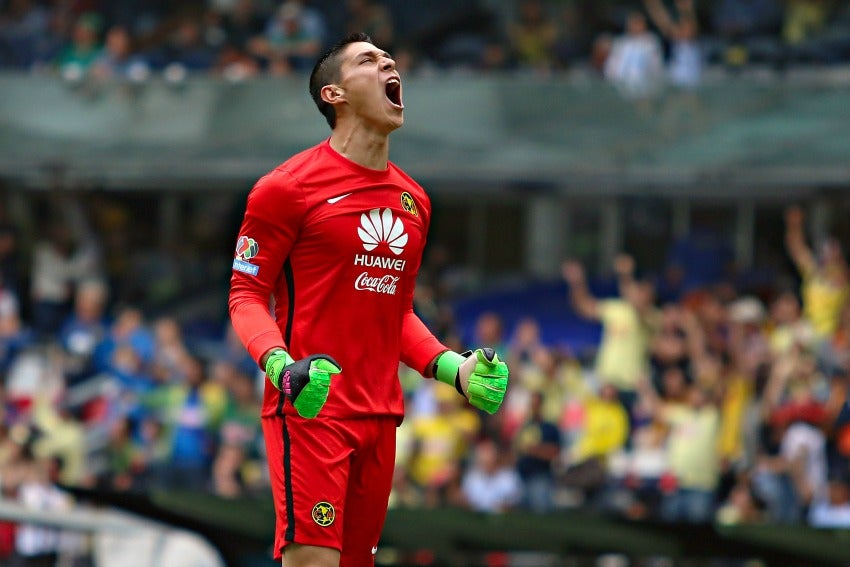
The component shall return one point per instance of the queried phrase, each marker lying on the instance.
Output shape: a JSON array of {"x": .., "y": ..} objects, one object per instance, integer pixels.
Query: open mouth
[{"x": 393, "y": 90}]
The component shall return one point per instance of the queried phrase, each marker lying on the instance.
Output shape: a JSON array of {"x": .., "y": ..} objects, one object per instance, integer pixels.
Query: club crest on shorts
[
  {"x": 324, "y": 514},
  {"x": 408, "y": 204}
]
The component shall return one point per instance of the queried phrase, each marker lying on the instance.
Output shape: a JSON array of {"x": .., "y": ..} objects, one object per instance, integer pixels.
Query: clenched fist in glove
[
  {"x": 478, "y": 375},
  {"x": 305, "y": 382}
]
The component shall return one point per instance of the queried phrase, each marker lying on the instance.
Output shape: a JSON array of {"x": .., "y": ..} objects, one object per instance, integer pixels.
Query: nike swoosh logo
[{"x": 333, "y": 200}]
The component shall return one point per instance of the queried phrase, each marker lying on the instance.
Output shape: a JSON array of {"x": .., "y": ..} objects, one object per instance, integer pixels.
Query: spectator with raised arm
[
  {"x": 636, "y": 64},
  {"x": 826, "y": 278},
  {"x": 60, "y": 262},
  {"x": 684, "y": 67},
  {"x": 627, "y": 325}
]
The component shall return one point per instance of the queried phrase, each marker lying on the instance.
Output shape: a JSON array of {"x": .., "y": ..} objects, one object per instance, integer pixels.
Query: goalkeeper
[{"x": 334, "y": 236}]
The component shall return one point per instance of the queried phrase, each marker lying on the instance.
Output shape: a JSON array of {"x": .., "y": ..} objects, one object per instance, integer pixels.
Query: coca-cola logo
[{"x": 382, "y": 284}]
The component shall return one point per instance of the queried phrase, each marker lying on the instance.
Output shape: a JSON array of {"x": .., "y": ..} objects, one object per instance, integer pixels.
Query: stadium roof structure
[{"x": 735, "y": 135}]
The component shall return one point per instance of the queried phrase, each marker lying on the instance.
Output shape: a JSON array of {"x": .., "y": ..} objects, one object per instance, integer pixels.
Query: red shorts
[{"x": 331, "y": 480}]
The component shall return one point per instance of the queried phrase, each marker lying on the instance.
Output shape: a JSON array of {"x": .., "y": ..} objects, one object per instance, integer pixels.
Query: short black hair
[{"x": 326, "y": 71}]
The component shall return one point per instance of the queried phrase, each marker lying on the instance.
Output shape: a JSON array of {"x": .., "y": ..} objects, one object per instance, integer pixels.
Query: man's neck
[{"x": 362, "y": 146}]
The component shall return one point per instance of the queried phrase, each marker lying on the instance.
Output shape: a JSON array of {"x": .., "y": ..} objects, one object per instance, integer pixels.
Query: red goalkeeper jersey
[{"x": 337, "y": 246}]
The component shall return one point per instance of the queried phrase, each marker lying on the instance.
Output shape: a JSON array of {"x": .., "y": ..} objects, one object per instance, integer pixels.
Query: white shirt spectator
[
  {"x": 31, "y": 539},
  {"x": 636, "y": 65},
  {"x": 685, "y": 66},
  {"x": 825, "y": 515},
  {"x": 802, "y": 439},
  {"x": 489, "y": 486},
  {"x": 53, "y": 274},
  {"x": 8, "y": 304},
  {"x": 492, "y": 492}
]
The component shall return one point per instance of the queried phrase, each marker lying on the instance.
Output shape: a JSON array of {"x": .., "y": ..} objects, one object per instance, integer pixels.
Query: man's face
[
  {"x": 372, "y": 86},
  {"x": 786, "y": 309},
  {"x": 696, "y": 397},
  {"x": 830, "y": 251},
  {"x": 641, "y": 295},
  {"x": 636, "y": 24},
  {"x": 118, "y": 42}
]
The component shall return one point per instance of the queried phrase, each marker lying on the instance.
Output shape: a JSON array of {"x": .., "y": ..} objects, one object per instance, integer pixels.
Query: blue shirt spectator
[
  {"x": 538, "y": 445},
  {"x": 293, "y": 39},
  {"x": 128, "y": 330},
  {"x": 84, "y": 330},
  {"x": 23, "y": 25},
  {"x": 117, "y": 61}
]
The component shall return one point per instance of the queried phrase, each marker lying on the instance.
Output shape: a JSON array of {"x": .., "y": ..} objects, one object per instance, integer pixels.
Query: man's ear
[{"x": 332, "y": 94}]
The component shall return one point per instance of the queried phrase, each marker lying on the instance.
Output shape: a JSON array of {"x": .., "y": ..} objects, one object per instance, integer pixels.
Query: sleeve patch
[
  {"x": 245, "y": 267},
  {"x": 246, "y": 248}
]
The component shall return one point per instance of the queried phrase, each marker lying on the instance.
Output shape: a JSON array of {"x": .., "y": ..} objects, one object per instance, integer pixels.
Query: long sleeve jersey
[{"x": 326, "y": 262}]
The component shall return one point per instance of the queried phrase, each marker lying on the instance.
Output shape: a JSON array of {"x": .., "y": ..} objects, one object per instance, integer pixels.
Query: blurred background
[{"x": 640, "y": 204}]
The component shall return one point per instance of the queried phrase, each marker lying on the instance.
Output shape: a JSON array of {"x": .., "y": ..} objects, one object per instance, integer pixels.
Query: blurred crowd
[
  {"x": 702, "y": 402},
  {"x": 635, "y": 43}
]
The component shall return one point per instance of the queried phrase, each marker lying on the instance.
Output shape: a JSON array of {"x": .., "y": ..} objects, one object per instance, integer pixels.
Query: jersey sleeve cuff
[
  {"x": 263, "y": 343},
  {"x": 422, "y": 354}
]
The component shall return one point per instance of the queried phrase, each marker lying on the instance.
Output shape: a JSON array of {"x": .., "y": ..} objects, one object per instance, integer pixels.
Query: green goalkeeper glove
[
  {"x": 305, "y": 382},
  {"x": 479, "y": 376}
]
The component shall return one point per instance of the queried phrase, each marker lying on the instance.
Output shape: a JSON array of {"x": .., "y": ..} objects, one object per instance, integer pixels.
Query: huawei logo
[{"x": 378, "y": 226}]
